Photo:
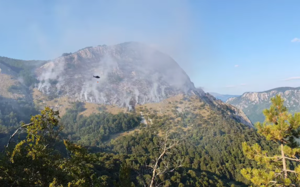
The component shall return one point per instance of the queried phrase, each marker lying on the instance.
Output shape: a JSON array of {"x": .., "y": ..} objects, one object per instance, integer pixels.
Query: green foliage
[
  {"x": 282, "y": 128},
  {"x": 211, "y": 153},
  {"x": 124, "y": 177},
  {"x": 96, "y": 128},
  {"x": 212, "y": 145},
  {"x": 66, "y": 54},
  {"x": 37, "y": 160},
  {"x": 11, "y": 113}
]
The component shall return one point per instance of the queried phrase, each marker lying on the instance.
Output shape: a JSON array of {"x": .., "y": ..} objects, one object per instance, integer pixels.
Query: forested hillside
[
  {"x": 210, "y": 153},
  {"x": 210, "y": 150},
  {"x": 186, "y": 139}
]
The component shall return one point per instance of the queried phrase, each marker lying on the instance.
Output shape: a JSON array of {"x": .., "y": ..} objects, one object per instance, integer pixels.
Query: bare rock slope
[{"x": 131, "y": 73}]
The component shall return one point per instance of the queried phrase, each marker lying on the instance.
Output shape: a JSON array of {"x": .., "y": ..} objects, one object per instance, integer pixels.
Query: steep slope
[
  {"x": 16, "y": 76},
  {"x": 253, "y": 103},
  {"x": 16, "y": 102},
  {"x": 222, "y": 97},
  {"x": 234, "y": 112},
  {"x": 162, "y": 96},
  {"x": 131, "y": 73},
  {"x": 212, "y": 144}
]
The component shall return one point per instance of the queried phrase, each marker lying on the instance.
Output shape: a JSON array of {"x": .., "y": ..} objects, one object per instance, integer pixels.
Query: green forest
[{"x": 74, "y": 150}]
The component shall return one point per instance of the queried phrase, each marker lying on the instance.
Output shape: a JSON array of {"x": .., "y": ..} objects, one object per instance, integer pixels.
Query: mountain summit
[{"x": 131, "y": 73}]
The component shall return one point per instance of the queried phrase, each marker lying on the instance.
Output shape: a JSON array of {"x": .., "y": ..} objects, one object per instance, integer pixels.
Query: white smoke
[
  {"x": 51, "y": 71},
  {"x": 147, "y": 84}
]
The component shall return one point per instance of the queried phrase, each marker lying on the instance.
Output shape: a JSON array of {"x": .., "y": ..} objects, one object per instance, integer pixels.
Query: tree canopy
[{"x": 279, "y": 169}]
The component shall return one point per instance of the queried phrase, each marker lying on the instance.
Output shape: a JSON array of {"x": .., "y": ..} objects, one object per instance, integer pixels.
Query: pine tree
[
  {"x": 282, "y": 128},
  {"x": 124, "y": 177}
]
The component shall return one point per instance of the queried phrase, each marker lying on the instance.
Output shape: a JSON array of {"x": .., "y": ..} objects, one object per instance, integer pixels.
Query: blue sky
[{"x": 225, "y": 46}]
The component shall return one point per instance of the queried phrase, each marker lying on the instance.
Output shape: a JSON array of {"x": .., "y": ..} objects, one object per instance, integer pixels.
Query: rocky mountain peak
[{"x": 131, "y": 73}]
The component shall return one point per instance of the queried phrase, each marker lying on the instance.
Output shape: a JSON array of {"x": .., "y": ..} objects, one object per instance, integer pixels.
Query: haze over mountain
[
  {"x": 157, "y": 92},
  {"x": 131, "y": 73},
  {"x": 253, "y": 103},
  {"x": 155, "y": 116},
  {"x": 222, "y": 97}
]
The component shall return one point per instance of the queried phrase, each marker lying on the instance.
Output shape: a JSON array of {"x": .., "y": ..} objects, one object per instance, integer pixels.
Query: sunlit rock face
[
  {"x": 253, "y": 103},
  {"x": 131, "y": 73}
]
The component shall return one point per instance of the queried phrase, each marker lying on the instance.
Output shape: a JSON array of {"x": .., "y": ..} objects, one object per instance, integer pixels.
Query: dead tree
[
  {"x": 16, "y": 131},
  {"x": 161, "y": 164}
]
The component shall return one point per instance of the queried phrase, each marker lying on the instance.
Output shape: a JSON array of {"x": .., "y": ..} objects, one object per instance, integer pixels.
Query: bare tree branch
[
  {"x": 23, "y": 126},
  {"x": 292, "y": 159},
  {"x": 166, "y": 145},
  {"x": 291, "y": 171}
]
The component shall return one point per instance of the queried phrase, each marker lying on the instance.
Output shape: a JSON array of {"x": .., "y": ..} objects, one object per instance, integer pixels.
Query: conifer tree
[{"x": 281, "y": 169}]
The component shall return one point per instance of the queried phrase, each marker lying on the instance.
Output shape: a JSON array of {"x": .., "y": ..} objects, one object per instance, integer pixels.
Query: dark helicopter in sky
[{"x": 97, "y": 77}]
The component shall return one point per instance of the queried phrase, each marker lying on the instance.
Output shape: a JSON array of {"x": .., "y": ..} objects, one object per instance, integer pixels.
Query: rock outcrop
[
  {"x": 253, "y": 103},
  {"x": 131, "y": 73}
]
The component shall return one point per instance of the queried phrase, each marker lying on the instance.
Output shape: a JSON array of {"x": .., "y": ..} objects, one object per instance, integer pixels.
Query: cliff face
[
  {"x": 227, "y": 109},
  {"x": 253, "y": 103},
  {"x": 131, "y": 73}
]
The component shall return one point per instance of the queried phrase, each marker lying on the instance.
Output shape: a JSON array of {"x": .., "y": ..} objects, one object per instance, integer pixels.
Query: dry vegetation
[
  {"x": 6, "y": 81},
  {"x": 92, "y": 108},
  {"x": 61, "y": 104},
  {"x": 165, "y": 108},
  {"x": 178, "y": 103}
]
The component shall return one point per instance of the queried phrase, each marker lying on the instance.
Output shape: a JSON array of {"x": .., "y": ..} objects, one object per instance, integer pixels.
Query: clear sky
[{"x": 225, "y": 46}]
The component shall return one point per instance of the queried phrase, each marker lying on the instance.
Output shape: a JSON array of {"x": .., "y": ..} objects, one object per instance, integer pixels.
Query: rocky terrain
[
  {"x": 130, "y": 73},
  {"x": 159, "y": 95},
  {"x": 253, "y": 103}
]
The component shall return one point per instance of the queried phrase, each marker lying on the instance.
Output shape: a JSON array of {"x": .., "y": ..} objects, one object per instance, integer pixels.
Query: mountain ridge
[
  {"x": 253, "y": 103},
  {"x": 222, "y": 97},
  {"x": 118, "y": 66},
  {"x": 131, "y": 74}
]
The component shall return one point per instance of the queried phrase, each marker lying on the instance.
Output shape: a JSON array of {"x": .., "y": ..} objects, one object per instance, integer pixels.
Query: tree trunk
[
  {"x": 153, "y": 175},
  {"x": 155, "y": 167},
  {"x": 283, "y": 162}
]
